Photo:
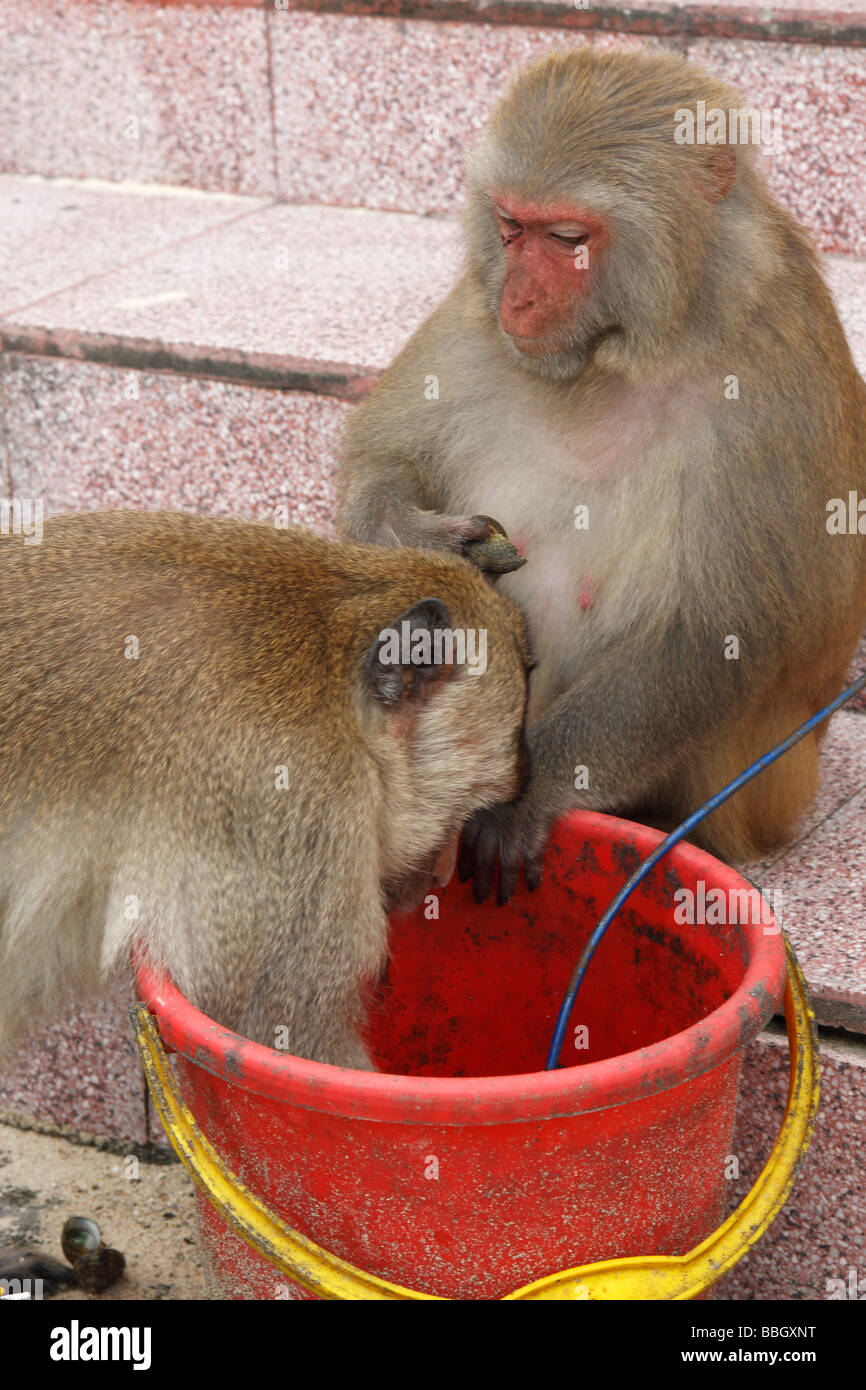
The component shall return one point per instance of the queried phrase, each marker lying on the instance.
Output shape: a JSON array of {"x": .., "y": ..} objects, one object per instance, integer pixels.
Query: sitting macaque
[
  {"x": 237, "y": 748},
  {"x": 642, "y": 374}
]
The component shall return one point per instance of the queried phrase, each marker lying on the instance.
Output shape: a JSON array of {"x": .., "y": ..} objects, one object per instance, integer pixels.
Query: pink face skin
[{"x": 543, "y": 287}]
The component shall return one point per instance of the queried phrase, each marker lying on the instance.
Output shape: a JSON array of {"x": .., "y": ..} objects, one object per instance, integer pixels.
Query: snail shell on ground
[{"x": 79, "y": 1234}]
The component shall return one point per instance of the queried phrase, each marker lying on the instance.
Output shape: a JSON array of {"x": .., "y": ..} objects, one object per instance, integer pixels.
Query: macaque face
[{"x": 549, "y": 252}]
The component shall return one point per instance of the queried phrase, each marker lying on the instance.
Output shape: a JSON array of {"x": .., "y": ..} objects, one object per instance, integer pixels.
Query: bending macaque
[
  {"x": 239, "y": 747},
  {"x": 642, "y": 375}
]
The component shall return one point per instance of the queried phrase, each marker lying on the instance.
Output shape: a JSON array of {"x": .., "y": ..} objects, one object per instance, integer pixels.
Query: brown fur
[
  {"x": 154, "y": 779},
  {"x": 707, "y": 515}
]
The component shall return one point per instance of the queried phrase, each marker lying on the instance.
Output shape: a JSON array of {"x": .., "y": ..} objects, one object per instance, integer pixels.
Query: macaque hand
[
  {"x": 513, "y": 832},
  {"x": 479, "y": 538}
]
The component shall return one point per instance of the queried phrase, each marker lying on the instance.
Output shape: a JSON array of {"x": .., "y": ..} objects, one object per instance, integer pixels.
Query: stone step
[
  {"x": 819, "y": 1236},
  {"x": 358, "y": 108},
  {"x": 798, "y": 21}
]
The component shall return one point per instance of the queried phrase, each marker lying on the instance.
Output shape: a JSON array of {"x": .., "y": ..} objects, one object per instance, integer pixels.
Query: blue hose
[{"x": 673, "y": 839}]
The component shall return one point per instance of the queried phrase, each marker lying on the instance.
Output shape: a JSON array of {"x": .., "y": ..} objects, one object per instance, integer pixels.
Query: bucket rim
[{"x": 487, "y": 1100}]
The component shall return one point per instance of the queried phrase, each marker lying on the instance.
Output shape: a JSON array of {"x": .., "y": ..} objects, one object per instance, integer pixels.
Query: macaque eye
[
  {"x": 571, "y": 238},
  {"x": 509, "y": 230}
]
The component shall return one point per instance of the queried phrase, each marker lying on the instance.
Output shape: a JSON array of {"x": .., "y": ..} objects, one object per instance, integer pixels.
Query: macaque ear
[
  {"x": 718, "y": 171},
  {"x": 406, "y": 661}
]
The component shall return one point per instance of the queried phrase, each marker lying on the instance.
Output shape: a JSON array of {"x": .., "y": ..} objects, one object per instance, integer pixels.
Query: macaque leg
[{"x": 762, "y": 816}]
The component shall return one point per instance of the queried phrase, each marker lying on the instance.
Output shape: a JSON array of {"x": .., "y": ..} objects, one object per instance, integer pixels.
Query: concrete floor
[{"x": 146, "y": 1210}]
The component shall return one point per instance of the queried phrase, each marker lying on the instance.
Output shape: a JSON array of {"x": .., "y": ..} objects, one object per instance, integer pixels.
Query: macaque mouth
[
  {"x": 405, "y": 894},
  {"x": 552, "y": 344},
  {"x": 541, "y": 345}
]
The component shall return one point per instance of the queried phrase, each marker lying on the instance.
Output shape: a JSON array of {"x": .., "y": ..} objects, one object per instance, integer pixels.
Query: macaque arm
[
  {"x": 383, "y": 500},
  {"x": 386, "y": 503},
  {"x": 606, "y": 743},
  {"x": 628, "y": 722},
  {"x": 388, "y": 491}
]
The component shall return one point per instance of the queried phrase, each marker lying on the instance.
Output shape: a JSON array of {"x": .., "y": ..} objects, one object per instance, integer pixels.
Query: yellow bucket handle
[{"x": 639, "y": 1277}]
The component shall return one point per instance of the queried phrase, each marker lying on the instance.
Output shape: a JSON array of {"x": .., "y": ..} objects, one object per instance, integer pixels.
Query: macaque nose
[
  {"x": 519, "y": 302},
  {"x": 516, "y": 308},
  {"x": 523, "y": 311},
  {"x": 520, "y": 299},
  {"x": 523, "y": 322}
]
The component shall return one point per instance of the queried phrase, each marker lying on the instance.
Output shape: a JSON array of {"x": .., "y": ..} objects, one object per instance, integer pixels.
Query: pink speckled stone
[
  {"x": 379, "y": 112},
  {"x": 312, "y": 284},
  {"x": 83, "y": 1072},
  {"x": 5, "y": 474},
  {"x": 820, "y": 1233},
  {"x": 653, "y": 16},
  {"x": 77, "y": 439},
  {"x": 822, "y": 883},
  {"x": 74, "y": 80},
  {"x": 818, "y": 901},
  {"x": 819, "y": 174},
  {"x": 59, "y": 232},
  {"x": 705, "y": 11}
]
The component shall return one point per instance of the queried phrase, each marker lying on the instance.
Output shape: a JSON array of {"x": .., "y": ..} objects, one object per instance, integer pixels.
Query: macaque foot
[{"x": 512, "y": 833}]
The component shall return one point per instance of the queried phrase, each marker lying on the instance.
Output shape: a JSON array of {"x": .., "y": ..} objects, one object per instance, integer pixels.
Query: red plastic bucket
[{"x": 469, "y": 1171}]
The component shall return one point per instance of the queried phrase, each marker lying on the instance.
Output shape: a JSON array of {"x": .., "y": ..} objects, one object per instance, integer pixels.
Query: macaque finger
[
  {"x": 532, "y": 872},
  {"x": 486, "y": 853},
  {"x": 466, "y": 857},
  {"x": 464, "y": 864},
  {"x": 509, "y": 868},
  {"x": 437, "y": 531},
  {"x": 533, "y": 847},
  {"x": 477, "y": 528}
]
